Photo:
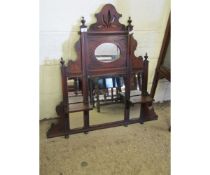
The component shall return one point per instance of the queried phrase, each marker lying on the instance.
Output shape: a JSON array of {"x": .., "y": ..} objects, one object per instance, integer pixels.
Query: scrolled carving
[
  {"x": 75, "y": 67},
  {"x": 137, "y": 62},
  {"x": 60, "y": 109}
]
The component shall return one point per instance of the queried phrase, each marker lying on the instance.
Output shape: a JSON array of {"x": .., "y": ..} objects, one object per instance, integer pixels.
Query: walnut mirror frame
[{"x": 107, "y": 29}]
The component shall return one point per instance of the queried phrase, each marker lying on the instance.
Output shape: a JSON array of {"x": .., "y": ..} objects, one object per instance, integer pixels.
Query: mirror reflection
[{"x": 107, "y": 52}]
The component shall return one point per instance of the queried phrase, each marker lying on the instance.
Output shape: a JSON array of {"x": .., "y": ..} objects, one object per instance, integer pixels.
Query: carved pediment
[{"x": 108, "y": 20}]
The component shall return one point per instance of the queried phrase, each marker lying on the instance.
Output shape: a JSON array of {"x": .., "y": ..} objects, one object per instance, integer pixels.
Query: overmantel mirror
[{"x": 105, "y": 50}]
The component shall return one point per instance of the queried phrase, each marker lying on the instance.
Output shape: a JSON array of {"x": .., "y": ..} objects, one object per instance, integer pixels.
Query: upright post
[
  {"x": 65, "y": 113},
  {"x": 145, "y": 75},
  {"x": 83, "y": 31},
  {"x": 128, "y": 74},
  {"x": 64, "y": 82}
]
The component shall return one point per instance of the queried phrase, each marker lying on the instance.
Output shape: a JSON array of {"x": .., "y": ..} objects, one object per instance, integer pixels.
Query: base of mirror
[{"x": 56, "y": 131}]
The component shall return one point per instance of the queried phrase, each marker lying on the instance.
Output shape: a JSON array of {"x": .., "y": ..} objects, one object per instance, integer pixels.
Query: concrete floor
[{"x": 133, "y": 150}]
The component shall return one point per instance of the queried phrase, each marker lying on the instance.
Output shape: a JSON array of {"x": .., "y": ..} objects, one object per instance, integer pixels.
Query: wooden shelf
[{"x": 77, "y": 107}]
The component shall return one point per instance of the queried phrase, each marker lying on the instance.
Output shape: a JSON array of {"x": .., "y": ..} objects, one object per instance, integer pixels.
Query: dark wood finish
[
  {"x": 61, "y": 128},
  {"x": 103, "y": 126},
  {"x": 107, "y": 20},
  {"x": 162, "y": 71},
  {"x": 107, "y": 29},
  {"x": 60, "y": 132}
]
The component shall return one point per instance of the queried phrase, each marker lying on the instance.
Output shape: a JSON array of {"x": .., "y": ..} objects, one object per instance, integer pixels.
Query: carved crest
[{"x": 108, "y": 20}]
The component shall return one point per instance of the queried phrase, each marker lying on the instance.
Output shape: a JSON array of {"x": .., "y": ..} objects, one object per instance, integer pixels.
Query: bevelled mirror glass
[{"x": 107, "y": 52}]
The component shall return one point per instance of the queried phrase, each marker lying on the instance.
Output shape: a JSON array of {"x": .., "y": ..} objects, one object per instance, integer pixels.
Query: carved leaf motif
[{"x": 108, "y": 19}]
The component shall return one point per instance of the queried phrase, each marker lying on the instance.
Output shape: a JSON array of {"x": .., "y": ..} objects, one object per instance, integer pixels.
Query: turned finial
[
  {"x": 129, "y": 27},
  {"x": 83, "y": 22},
  {"x": 62, "y": 61},
  {"x": 146, "y": 57}
]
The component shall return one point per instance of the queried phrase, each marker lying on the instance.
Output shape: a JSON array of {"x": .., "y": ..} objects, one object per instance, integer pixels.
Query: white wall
[{"x": 59, "y": 24}]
